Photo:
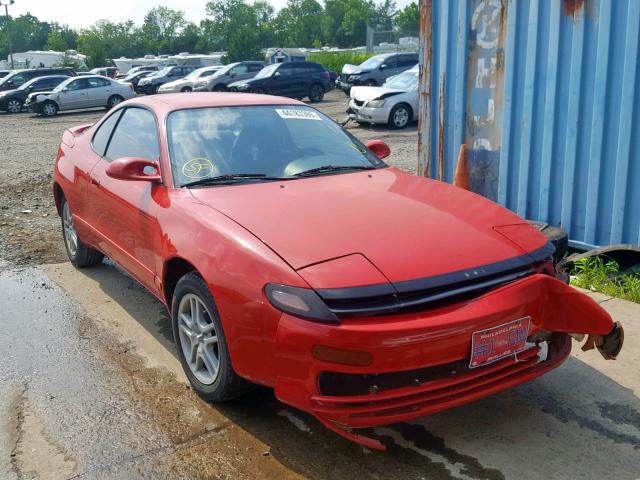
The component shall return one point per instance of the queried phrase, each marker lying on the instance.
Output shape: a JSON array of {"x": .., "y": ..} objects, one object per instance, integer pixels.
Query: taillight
[{"x": 325, "y": 74}]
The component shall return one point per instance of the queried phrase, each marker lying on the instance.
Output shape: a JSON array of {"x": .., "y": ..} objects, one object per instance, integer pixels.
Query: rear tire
[
  {"x": 195, "y": 322},
  {"x": 219, "y": 88},
  {"x": 14, "y": 105},
  {"x": 316, "y": 93},
  {"x": 259, "y": 91},
  {"x": 186, "y": 89},
  {"x": 371, "y": 83},
  {"x": 49, "y": 109},
  {"x": 80, "y": 255}
]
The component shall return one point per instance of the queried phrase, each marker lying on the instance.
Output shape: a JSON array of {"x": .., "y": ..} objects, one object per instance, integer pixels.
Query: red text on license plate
[{"x": 495, "y": 343}]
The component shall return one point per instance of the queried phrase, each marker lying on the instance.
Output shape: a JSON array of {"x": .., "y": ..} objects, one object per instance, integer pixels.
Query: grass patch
[
  {"x": 336, "y": 60},
  {"x": 603, "y": 275}
]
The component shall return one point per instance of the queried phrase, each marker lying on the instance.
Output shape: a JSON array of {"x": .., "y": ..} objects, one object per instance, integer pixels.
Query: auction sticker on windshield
[
  {"x": 297, "y": 114},
  {"x": 493, "y": 344}
]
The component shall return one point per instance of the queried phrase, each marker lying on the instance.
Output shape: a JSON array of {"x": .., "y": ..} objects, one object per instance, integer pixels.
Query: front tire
[
  {"x": 14, "y": 105},
  {"x": 316, "y": 93},
  {"x": 201, "y": 343},
  {"x": 49, "y": 108},
  {"x": 80, "y": 255},
  {"x": 400, "y": 116},
  {"x": 186, "y": 89}
]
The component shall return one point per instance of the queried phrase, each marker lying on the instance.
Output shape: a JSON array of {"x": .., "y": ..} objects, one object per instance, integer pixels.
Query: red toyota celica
[{"x": 290, "y": 255}]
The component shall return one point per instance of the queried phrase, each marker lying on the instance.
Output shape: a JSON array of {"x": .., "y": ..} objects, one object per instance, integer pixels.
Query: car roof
[{"x": 179, "y": 101}]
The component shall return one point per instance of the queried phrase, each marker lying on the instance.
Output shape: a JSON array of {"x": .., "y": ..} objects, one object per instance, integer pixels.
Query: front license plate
[{"x": 492, "y": 344}]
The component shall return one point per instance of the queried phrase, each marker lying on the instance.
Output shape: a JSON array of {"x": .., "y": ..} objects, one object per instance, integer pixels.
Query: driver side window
[{"x": 136, "y": 135}]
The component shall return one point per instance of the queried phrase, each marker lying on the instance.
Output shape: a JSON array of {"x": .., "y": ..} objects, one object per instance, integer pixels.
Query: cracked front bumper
[{"x": 367, "y": 114}]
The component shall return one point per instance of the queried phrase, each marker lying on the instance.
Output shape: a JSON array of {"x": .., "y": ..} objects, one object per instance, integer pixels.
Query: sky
[{"x": 82, "y": 13}]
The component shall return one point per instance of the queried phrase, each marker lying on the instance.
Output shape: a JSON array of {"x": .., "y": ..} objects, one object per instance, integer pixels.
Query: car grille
[
  {"x": 358, "y": 103},
  {"x": 435, "y": 291}
]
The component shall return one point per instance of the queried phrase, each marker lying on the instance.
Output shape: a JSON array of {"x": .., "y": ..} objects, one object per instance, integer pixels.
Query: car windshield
[
  {"x": 26, "y": 85},
  {"x": 226, "y": 68},
  {"x": 271, "y": 141},
  {"x": 407, "y": 81},
  {"x": 267, "y": 71},
  {"x": 371, "y": 63}
]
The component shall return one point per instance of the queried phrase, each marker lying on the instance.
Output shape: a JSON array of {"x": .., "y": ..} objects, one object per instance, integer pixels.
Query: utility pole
[{"x": 6, "y": 4}]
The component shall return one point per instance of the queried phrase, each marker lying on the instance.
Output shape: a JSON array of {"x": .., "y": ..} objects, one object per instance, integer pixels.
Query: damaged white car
[{"x": 395, "y": 103}]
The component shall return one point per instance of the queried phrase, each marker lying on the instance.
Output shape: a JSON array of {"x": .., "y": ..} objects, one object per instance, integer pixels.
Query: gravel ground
[{"x": 29, "y": 233}]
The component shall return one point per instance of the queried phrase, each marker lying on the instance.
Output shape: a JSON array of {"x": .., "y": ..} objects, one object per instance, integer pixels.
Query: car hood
[
  {"x": 34, "y": 96},
  {"x": 364, "y": 94},
  {"x": 176, "y": 83},
  {"x": 10, "y": 93},
  {"x": 349, "y": 69},
  {"x": 408, "y": 227}
]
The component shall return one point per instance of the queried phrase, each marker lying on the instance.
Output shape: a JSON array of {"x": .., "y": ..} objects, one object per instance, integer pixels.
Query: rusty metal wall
[{"x": 545, "y": 96}]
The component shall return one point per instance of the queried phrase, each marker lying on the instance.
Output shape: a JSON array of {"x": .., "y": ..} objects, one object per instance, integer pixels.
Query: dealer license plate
[{"x": 495, "y": 343}]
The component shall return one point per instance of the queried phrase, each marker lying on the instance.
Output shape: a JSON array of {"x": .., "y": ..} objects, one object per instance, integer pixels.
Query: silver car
[
  {"x": 395, "y": 103},
  {"x": 186, "y": 84},
  {"x": 233, "y": 72},
  {"x": 80, "y": 92}
]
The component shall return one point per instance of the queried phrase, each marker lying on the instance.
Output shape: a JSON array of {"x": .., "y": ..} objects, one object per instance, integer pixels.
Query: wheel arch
[
  {"x": 58, "y": 195},
  {"x": 174, "y": 269}
]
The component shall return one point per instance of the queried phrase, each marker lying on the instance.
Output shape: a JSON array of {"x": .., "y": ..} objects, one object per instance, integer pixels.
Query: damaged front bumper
[{"x": 419, "y": 362}]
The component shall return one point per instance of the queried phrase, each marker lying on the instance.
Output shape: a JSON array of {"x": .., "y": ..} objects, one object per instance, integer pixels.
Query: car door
[
  {"x": 124, "y": 212},
  {"x": 99, "y": 92},
  {"x": 74, "y": 95},
  {"x": 391, "y": 67},
  {"x": 284, "y": 80}
]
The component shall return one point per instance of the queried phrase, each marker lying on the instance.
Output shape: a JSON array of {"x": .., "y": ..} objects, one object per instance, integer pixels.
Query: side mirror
[
  {"x": 277, "y": 75},
  {"x": 65, "y": 89},
  {"x": 383, "y": 66},
  {"x": 131, "y": 168},
  {"x": 379, "y": 148}
]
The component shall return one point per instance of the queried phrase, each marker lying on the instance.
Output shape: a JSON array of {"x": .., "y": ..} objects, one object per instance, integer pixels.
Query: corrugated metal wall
[{"x": 545, "y": 95}]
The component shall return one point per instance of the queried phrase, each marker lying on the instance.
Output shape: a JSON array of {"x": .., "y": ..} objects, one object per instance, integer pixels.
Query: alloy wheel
[
  {"x": 316, "y": 93},
  {"x": 401, "y": 117},
  {"x": 14, "y": 106},
  {"x": 49, "y": 109},
  {"x": 70, "y": 234},
  {"x": 198, "y": 339}
]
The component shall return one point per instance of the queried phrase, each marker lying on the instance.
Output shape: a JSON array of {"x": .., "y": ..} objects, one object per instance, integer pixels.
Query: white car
[
  {"x": 186, "y": 84},
  {"x": 80, "y": 92},
  {"x": 394, "y": 103}
]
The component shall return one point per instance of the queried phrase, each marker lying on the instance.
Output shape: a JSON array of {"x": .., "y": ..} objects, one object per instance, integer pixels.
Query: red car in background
[{"x": 290, "y": 255}]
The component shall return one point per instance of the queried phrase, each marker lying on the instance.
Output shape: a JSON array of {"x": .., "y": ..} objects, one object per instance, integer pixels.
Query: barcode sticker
[{"x": 297, "y": 114}]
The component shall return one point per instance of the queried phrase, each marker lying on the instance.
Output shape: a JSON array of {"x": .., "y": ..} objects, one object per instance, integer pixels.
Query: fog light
[{"x": 356, "y": 358}]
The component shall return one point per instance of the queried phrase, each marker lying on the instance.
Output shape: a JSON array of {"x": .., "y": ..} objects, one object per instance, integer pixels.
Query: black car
[
  {"x": 290, "y": 79},
  {"x": 134, "y": 78},
  {"x": 12, "y": 101},
  {"x": 150, "y": 85},
  {"x": 17, "y": 78}
]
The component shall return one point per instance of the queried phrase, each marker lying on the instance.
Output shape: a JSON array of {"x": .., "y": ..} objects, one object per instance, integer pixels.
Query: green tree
[
  {"x": 345, "y": 21},
  {"x": 241, "y": 29},
  {"x": 161, "y": 28},
  {"x": 407, "y": 20},
  {"x": 299, "y": 24},
  {"x": 56, "y": 42}
]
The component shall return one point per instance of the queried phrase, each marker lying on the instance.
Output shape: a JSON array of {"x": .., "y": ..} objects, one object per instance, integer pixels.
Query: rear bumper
[{"x": 430, "y": 340}]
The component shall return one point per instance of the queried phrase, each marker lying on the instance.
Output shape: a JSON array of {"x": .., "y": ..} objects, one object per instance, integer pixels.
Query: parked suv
[
  {"x": 17, "y": 78},
  {"x": 289, "y": 79},
  {"x": 375, "y": 70},
  {"x": 152, "y": 83},
  {"x": 12, "y": 101},
  {"x": 234, "y": 72}
]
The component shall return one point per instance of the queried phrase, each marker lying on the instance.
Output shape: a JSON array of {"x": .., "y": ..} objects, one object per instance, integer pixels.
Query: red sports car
[{"x": 290, "y": 255}]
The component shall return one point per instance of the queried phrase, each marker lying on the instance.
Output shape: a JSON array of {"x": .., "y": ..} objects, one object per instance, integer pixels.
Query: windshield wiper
[
  {"x": 232, "y": 177},
  {"x": 333, "y": 168}
]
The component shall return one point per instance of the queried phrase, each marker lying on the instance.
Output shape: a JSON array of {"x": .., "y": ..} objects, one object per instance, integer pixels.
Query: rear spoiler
[{"x": 69, "y": 136}]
